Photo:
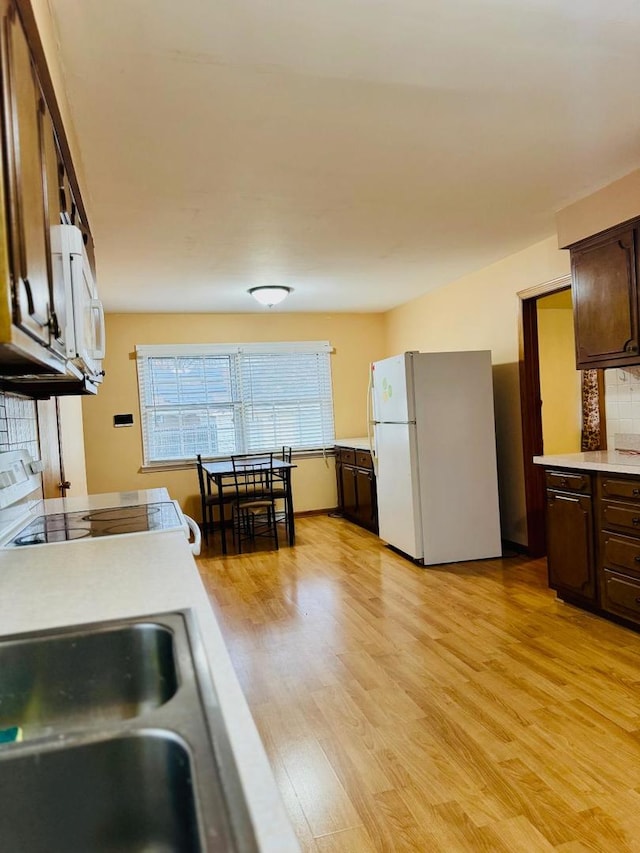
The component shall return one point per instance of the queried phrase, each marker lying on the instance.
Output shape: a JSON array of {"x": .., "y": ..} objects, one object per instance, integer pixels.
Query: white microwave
[{"x": 80, "y": 316}]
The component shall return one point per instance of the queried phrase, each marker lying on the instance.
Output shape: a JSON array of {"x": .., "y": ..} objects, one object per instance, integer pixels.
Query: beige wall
[
  {"x": 559, "y": 380},
  {"x": 114, "y": 455},
  {"x": 481, "y": 311},
  {"x": 603, "y": 209},
  {"x": 72, "y": 440}
]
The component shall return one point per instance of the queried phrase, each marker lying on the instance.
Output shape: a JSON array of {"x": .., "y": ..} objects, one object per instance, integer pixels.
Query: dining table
[{"x": 220, "y": 473}]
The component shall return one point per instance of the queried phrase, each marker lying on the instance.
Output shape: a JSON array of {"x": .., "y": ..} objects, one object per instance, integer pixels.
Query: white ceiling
[{"x": 360, "y": 151}]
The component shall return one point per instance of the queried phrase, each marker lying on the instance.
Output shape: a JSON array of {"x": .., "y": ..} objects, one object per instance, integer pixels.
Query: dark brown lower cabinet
[
  {"x": 593, "y": 541},
  {"x": 349, "y": 505},
  {"x": 619, "y": 564},
  {"x": 357, "y": 487},
  {"x": 570, "y": 545}
]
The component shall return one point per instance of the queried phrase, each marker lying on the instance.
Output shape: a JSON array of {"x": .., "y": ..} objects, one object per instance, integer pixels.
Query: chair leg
[
  {"x": 272, "y": 520},
  {"x": 205, "y": 523},
  {"x": 237, "y": 528}
]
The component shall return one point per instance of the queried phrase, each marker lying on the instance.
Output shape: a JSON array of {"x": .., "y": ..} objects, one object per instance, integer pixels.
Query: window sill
[{"x": 185, "y": 464}]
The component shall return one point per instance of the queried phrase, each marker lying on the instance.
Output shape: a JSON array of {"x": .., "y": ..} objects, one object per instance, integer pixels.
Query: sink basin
[
  {"x": 125, "y": 794},
  {"x": 69, "y": 679},
  {"x": 124, "y": 746}
]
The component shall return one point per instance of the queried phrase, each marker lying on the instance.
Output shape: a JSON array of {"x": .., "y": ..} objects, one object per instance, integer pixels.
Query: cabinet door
[
  {"x": 605, "y": 296},
  {"x": 621, "y": 595},
  {"x": 349, "y": 492},
  {"x": 366, "y": 498},
  {"x": 570, "y": 544},
  {"x": 24, "y": 106},
  {"x": 339, "y": 484}
]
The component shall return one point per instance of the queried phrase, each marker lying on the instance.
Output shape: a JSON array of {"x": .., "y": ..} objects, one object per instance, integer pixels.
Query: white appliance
[
  {"x": 28, "y": 521},
  {"x": 81, "y": 333},
  {"x": 435, "y": 455}
]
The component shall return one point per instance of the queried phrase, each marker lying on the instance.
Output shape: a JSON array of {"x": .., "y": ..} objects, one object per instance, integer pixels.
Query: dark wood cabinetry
[
  {"x": 24, "y": 107},
  {"x": 357, "y": 487},
  {"x": 604, "y": 273},
  {"x": 38, "y": 191},
  {"x": 619, "y": 563},
  {"x": 593, "y": 538},
  {"x": 570, "y": 541}
]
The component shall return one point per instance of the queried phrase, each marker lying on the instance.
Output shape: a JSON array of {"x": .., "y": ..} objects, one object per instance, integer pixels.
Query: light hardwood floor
[{"x": 460, "y": 708}]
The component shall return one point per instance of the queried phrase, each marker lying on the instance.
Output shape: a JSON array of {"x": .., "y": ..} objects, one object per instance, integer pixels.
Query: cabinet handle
[
  {"x": 636, "y": 492},
  {"x": 637, "y": 558},
  {"x": 563, "y": 482},
  {"x": 635, "y": 520},
  {"x": 638, "y": 600}
]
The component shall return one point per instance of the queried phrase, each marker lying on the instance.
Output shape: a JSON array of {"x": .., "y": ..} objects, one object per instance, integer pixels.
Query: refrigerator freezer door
[
  {"x": 393, "y": 389},
  {"x": 399, "y": 512}
]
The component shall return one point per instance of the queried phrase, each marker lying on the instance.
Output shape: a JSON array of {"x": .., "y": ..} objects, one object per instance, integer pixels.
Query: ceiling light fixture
[{"x": 270, "y": 294}]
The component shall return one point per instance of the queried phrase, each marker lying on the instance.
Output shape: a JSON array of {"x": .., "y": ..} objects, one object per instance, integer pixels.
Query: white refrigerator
[{"x": 435, "y": 455}]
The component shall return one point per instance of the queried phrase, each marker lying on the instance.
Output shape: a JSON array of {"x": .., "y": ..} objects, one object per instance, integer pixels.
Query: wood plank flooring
[{"x": 458, "y": 708}]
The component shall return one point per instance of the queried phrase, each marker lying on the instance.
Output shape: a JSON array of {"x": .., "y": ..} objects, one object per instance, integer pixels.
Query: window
[{"x": 235, "y": 398}]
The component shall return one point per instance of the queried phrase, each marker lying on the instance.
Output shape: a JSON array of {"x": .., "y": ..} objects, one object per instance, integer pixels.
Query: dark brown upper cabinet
[
  {"x": 38, "y": 193},
  {"x": 29, "y": 253},
  {"x": 604, "y": 271}
]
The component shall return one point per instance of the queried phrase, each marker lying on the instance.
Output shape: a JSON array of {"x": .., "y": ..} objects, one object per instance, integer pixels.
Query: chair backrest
[
  {"x": 286, "y": 454},
  {"x": 253, "y": 476}
]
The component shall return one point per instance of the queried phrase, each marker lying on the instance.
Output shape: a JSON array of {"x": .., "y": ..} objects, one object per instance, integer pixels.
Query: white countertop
[
  {"x": 360, "y": 443},
  {"x": 608, "y": 461},
  {"x": 115, "y": 577},
  {"x": 105, "y": 500}
]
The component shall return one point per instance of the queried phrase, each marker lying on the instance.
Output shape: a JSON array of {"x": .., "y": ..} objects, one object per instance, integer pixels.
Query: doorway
[{"x": 547, "y": 376}]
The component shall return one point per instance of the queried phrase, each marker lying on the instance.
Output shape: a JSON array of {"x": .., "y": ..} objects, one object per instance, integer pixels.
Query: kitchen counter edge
[
  {"x": 361, "y": 443},
  {"x": 607, "y": 461}
]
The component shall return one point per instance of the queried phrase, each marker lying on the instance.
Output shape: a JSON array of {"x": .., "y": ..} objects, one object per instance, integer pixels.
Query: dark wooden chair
[{"x": 253, "y": 510}]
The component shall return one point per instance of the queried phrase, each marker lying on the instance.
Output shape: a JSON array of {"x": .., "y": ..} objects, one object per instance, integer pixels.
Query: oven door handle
[{"x": 197, "y": 535}]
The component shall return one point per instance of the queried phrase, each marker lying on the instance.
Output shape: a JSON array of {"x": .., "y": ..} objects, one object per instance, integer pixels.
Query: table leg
[
  {"x": 290, "y": 521},
  {"x": 223, "y": 531}
]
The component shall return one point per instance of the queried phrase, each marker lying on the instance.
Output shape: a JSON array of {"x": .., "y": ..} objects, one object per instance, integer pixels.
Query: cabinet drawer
[
  {"x": 568, "y": 480},
  {"x": 621, "y": 516},
  {"x": 346, "y": 454},
  {"x": 621, "y": 595},
  {"x": 612, "y": 488},
  {"x": 621, "y": 553},
  {"x": 363, "y": 459}
]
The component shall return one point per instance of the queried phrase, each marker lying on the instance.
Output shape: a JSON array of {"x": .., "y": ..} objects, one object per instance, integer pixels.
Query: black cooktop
[{"x": 110, "y": 521}]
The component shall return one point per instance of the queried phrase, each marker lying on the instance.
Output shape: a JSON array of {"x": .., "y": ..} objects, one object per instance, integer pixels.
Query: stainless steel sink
[
  {"x": 63, "y": 681},
  {"x": 126, "y": 794},
  {"x": 125, "y": 748}
]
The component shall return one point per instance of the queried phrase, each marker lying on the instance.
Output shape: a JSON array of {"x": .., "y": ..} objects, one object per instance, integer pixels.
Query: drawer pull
[
  {"x": 635, "y": 520},
  {"x": 638, "y": 600},
  {"x": 564, "y": 482},
  {"x": 636, "y": 492},
  {"x": 637, "y": 558}
]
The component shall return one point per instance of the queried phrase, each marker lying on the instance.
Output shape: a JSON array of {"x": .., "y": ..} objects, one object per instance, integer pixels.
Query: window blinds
[{"x": 239, "y": 398}]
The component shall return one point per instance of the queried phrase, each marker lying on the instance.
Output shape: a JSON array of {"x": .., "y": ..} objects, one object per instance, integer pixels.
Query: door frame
[
  {"x": 531, "y": 409},
  {"x": 54, "y": 483}
]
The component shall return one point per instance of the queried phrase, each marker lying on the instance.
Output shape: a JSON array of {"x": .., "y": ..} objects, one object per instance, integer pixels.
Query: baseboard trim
[
  {"x": 309, "y": 512},
  {"x": 518, "y": 547}
]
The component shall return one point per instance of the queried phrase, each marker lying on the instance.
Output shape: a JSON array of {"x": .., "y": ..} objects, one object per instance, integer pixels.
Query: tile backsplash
[
  {"x": 18, "y": 424},
  {"x": 622, "y": 401}
]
